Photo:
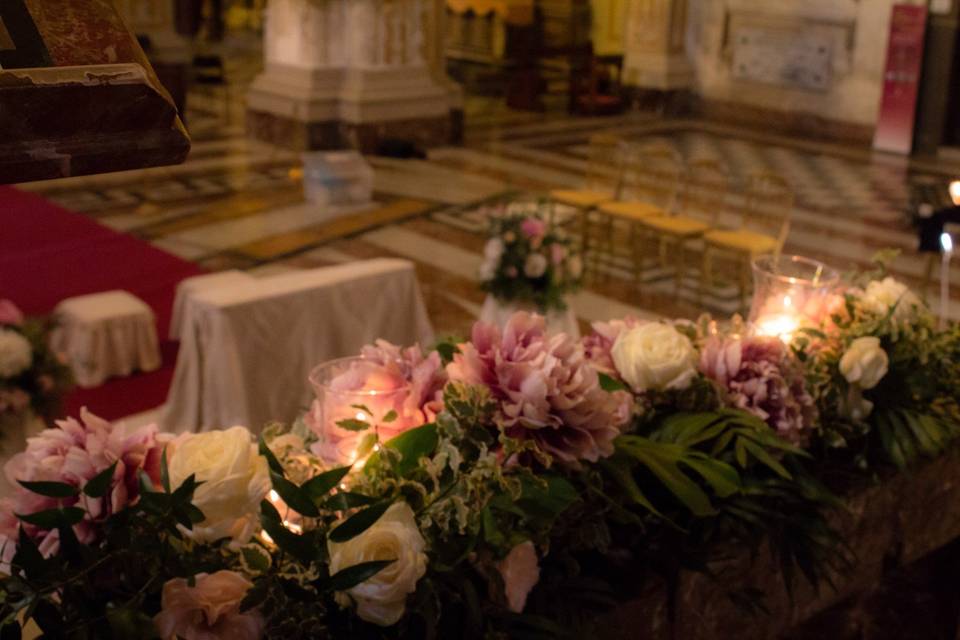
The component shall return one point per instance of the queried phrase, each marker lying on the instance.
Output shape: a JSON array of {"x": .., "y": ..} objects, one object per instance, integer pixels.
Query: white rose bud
[
  {"x": 16, "y": 354},
  {"x": 382, "y": 599},
  {"x": 655, "y": 356},
  {"x": 865, "y": 362},
  {"x": 536, "y": 265},
  {"x": 235, "y": 479}
]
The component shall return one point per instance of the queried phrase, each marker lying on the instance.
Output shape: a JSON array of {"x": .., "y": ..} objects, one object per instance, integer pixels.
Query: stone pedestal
[
  {"x": 348, "y": 73},
  {"x": 655, "y": 57}
]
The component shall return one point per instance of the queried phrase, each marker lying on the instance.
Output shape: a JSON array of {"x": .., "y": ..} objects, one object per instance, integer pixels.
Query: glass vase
[{"x": 790, "y": 293}]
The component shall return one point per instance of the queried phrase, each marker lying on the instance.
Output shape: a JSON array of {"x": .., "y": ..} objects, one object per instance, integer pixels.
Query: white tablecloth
[
  {"x": 498, "y": 312},
  {"x": 106, "y": 334},
  {"x": 246, "y": 350},
  {"x": 207, "y": 281}
]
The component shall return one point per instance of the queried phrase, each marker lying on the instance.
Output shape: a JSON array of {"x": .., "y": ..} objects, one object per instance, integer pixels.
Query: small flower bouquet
[
  {"x": 32, "y": 377},
  {"x": 527, "y": 260}
]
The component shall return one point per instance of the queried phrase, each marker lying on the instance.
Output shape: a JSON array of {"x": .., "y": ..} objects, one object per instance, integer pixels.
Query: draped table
[{"x": 247, "y": 348}]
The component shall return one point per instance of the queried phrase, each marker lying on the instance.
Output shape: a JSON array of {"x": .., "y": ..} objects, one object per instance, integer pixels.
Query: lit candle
[
  {"x": 782, "y": 326},
  {"x": 955, "y": 192}
]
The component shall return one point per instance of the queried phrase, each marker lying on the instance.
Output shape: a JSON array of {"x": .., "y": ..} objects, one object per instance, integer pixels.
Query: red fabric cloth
[{"x": 48, "y": 253}]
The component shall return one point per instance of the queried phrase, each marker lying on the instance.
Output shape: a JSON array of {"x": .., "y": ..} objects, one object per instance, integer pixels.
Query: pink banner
[{"x": 901, "y": 79}]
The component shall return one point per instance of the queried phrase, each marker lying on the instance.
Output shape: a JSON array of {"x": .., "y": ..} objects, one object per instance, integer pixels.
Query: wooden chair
[
  {"x": 601, "y": 183},
  {"x": 651, "y": 180},
  {"x": 700, "y": 202},
  {"x": 764, "y": 225}
]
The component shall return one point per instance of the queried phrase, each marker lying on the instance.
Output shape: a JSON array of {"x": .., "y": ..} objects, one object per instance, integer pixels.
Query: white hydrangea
[{"x": 16, "y": 355}]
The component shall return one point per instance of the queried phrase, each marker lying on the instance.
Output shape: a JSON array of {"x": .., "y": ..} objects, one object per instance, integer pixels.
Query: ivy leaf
[
  {"x": 611, "y": 384},
  {"x": 320, "y": 485},
  {"x": 390, "y": 417},
  {"x": 275, "y": 465},
  {"x": 295, "y": 497},
  {"x": 359, "y": 522},
  {"x": 98, "y": 486},
  {"x": 52, "y": 518},
  {"x": 352, "y": 576},
  {"x": 50, "y": 489},
  {"x": 362, "y": 407},
  {"x": 351, "y": 424},
  {"x": 256, "y": 558},
  {"x": 447, "y": 350}
]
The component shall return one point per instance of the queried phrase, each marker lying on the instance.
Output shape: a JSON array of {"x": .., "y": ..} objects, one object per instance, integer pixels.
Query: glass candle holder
[
  {"x": 352, "y": 392},
  {"x": 789, "y": 293}
]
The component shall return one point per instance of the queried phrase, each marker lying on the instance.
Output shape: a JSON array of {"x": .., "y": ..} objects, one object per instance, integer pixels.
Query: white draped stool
[
  {"x": 195, "y": 284},
  {"x": 106, "y": 334},
  {"x": 498, "y": 312}
]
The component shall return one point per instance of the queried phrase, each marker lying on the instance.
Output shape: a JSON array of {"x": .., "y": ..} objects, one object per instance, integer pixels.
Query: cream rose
[
  {"x": 881, "y": 295},
  {"x": 864, "y": 363},
  {"x": 235, "y": 479},
  {"x": 383, "y": 598},
  {"x": 15, "y": 353},
  {"x": 536, "y": 265},
  {"x": 655, "y": 356}
]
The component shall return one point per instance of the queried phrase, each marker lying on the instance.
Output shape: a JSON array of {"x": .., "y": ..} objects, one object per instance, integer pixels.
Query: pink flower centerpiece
[
  {"x": 384, "y": 379},
  {"x": 547, "y": 390},
  {"x": 74, "y": 453},
  {"x": 760, "y": 377}
]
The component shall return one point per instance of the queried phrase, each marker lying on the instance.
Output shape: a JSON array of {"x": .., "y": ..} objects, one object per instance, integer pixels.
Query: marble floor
[{"x": 238, "y": 203}]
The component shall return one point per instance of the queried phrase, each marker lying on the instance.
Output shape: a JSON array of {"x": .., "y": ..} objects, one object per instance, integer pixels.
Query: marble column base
[{"x": 321, "y": 109}]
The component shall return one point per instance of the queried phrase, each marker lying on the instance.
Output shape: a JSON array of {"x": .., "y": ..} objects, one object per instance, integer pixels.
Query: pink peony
[
  {"x": 74, "y": 453},
  {"x": 599, "y": 344},
  {"x": 416, "y": 378},
  {"x": 533, "y": 228},
  {"x": 520, "y": 571},
  {"x": 209, "y": 610},
  {"x": 760, "y": 377},
  {"x": 546, "y": 388},
  {"x": 9, "y": 313}
]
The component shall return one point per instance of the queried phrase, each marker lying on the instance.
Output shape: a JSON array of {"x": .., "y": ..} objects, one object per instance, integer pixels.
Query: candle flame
[
  {"x": 955, "y": 192},
  {"x": 782, "y": 326}
]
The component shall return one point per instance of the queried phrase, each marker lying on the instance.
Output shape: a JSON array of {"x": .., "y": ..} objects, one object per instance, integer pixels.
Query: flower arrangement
[
  {"x": 528, "y": 260},
  {"x": 32, "y": 377},
  {"x": 522, "y": 477}
]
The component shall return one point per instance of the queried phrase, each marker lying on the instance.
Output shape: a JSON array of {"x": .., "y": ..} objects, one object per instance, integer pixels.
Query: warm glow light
[
  {"x": 955, "y": 192},
  {"x": 946, "y": 242},
  {"x": 782, "y": 326},
  {"x": 274, "y": 496},
  {"x": 361, "y": 416}
]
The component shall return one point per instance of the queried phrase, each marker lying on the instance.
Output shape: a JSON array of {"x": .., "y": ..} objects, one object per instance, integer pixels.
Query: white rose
[
  {"x": 864, "y": 363},
  {"x": 493, "y": 249},
  {"x": 382, "y": 599},
  {"x": 536, "y": 265},
  {"x": 881, "y": 295},
  {"x": 235, "y": 479},
  {"x": 655, "y": 356},
  {"x": 16, "y": 354}
]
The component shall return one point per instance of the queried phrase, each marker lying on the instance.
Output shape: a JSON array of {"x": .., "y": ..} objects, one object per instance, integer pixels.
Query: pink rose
[
  {"x": 210, "y": 610},
  {"x": 9, "y": 313},
  {"x": 533, "y": 227},
  {"x": 520, "y": 571}
]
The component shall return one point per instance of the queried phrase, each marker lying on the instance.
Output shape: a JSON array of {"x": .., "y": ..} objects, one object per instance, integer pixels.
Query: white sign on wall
[{"x": 791, "y": 58}]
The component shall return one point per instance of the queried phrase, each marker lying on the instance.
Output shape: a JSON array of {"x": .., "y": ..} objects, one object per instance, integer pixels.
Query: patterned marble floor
[{"x": 238, "y": 203}]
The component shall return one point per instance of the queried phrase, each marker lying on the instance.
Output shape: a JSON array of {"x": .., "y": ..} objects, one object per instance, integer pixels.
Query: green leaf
[
  {"x": 351, "y": 424},
  {"x": 547, "y": 496},
  {"x": 661, "y": 459},
  {"x": 362, "y": 407},
  {"x": 295, "y": 497},
  {"x": 352, "y": 576},
  {"x": 275, "y": 465},
  {"x": 491, "y": 531},
  {"x": 52, "y": 518},
  {"x": 164, "y": 472},
  {"x": 28, "y": 557},
  {"x": 256, "y": 558},
  {"x": 100, "y": 484},
  {"x": 611, "y": 384},
  {"x": 390, "y": 417},
  {"x": 359, "y": 522},
  {"x": 320, "y": 485},
  {"x": 920, "y": 433},
  {"x": 412, "y": 445},
  {"x": 722, "y": 478},
  {"x": 447, "y": 350},
  {"x": 300, "y": 547},
  {"x": 50, "y": 489},
  {"x": 761, "y": 454},
  {"x": 618, "y": 468}
]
